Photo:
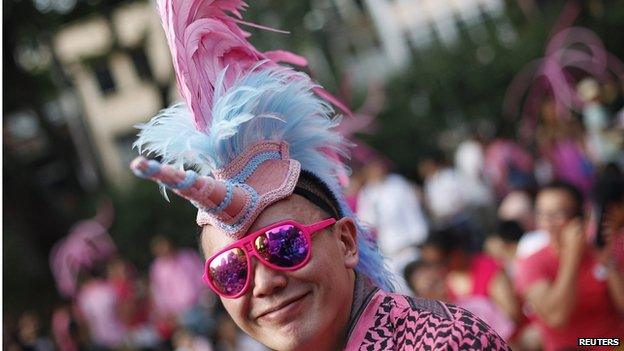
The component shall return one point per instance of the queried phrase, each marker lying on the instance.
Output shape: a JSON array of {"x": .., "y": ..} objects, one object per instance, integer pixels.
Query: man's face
[
  {"x": 161, "y": 247},
  {"x": 427, "y": 168},
  {"x": 375, "y": 171},
  {"x": 431, "y": 254},
  {"x": 553, "y": 210},
  {"x": 428, "y": 282},
  {"x": 300, "y": 309}
]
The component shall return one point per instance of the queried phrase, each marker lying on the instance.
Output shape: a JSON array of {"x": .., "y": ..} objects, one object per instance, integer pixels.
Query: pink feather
[
  {"x": 204, "y": 38},
  {"x": 286, "y": 56}
]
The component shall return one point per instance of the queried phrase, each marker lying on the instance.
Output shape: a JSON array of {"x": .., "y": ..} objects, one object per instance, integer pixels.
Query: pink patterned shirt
[{"x": 386, "y": 321}]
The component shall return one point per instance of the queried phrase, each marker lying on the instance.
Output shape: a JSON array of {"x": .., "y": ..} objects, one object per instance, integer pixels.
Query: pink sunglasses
[{"x": 282, "y": 246}]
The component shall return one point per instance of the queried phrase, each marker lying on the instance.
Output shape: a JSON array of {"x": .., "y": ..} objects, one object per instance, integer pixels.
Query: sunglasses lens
[
  {"x": 228, "y": 271},
  {"x": 285, "y": 246}
]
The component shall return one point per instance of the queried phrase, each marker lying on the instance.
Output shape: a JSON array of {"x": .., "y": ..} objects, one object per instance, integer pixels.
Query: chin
[
  {"x": 288, "y": 342},
  {"x": 294, "y": 336}
]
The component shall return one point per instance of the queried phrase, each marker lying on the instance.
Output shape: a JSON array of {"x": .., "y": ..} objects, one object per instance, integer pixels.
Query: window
[
  {"x": 141, "y": 63},
  {"x": 104, "y": 76}
]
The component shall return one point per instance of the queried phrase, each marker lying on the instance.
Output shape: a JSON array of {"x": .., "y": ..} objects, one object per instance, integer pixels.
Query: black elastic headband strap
[
  {"x": 308, "y": 195},
  {"x": 312, "y": 190}
]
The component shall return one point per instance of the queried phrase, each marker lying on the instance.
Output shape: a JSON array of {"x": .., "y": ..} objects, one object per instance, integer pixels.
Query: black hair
[
  {"x": 317, "y": 192},
  {"x": 444, "y": 239},
  {"x": 436, "y": 156},
  {"x": 411, "y": 268},
  {"x": 96, "y": 271},
  {"x": 509, "y": 231},
  {"x": 609, "y": 187},
  {"x": 571, "y": 190}
]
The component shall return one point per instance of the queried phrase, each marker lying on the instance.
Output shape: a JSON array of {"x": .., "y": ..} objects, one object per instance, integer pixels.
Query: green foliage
[
  {"x": 451, "y": 88},
  {"x": 141, "y": 212},
  {"x": 27, "y": 283}
]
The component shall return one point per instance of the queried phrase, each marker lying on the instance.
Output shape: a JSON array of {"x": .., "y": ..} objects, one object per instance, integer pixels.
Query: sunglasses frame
[{"x": 246, "y": 244}]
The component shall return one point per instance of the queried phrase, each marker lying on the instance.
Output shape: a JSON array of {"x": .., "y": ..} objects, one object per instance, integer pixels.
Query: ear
[{"x": 347, "y": 235}]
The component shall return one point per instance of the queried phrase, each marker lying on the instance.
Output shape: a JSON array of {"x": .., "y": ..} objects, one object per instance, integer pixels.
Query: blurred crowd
[
  {"x": 110, "y": 305},
  {"x": 527, "y": 236}
]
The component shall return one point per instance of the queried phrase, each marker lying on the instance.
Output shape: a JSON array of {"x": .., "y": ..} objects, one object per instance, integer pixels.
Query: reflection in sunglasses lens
[
  {"x": 284, "y": 246},
  {"x": 228, "y": 271}
]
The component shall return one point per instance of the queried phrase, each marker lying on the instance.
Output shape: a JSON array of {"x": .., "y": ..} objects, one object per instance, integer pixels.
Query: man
[
  {"x": 470, "y": 164},
  {"x": 502, "y": 244},
  {"x": 287, "y": 257},
  {"x": 389, "y": 203},
  {"x": 426, "y": 279},
  {"x": 573, "y": 292},
  {"x": 174, "y": 285},
  {"x": 444, "y": 192},
  {"x": 445, "y": 197}
]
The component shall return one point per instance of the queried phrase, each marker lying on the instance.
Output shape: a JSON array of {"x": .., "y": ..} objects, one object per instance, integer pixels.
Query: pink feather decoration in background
[
  {"x": 571, "y": 53},
  {"x": 86, "y": 244}
]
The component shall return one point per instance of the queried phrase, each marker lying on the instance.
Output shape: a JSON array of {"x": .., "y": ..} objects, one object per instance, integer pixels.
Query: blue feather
[{"x": 172, "y": 136}]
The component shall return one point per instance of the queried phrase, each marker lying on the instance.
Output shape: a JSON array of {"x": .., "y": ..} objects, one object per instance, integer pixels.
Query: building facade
[{"x": 121, "y": 69}]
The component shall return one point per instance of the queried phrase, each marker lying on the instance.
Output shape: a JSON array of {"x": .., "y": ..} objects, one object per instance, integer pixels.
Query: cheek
[
  {"x": 236, "y": 310},
  {"x": 326, "y": 260},
  {"x": 328, "y": 271},
  {"x": 329, "y": 284},
  {"x": 544, "y": 223},
  {"x": 555, "y": 225}
]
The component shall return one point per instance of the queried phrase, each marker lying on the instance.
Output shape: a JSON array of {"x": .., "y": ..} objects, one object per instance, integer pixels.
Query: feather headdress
[{"x": 247, "y": 129}]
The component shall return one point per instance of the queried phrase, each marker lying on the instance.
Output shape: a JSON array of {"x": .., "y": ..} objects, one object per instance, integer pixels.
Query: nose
[{"x": 267, "y": 281}]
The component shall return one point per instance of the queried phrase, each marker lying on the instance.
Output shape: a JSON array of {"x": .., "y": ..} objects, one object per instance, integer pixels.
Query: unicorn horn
[{"x": 219, "y": 198}]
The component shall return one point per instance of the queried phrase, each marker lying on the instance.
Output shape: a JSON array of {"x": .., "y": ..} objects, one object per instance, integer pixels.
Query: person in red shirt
[{"x": 569, "y": 286}]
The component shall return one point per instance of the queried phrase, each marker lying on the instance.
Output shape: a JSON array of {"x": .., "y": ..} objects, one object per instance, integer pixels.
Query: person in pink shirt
[
  {"x": 573, "y": 293},
  {"x": 175, "y": 278},
  {"x": 97, "y": 303},
  {"x": 507, "y": 166}
]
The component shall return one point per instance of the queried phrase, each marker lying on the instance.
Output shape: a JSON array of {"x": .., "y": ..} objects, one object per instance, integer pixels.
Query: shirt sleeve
[
  {"x": 475, "y": 333},
  {"x": 530, "y": 270},
  {"x": 460, "y": 331},
  {"x": 397, "y": 322}
]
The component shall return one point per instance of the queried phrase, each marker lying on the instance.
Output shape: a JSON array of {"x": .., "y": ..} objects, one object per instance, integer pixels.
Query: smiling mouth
[{"x": 283, "y": 310}]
